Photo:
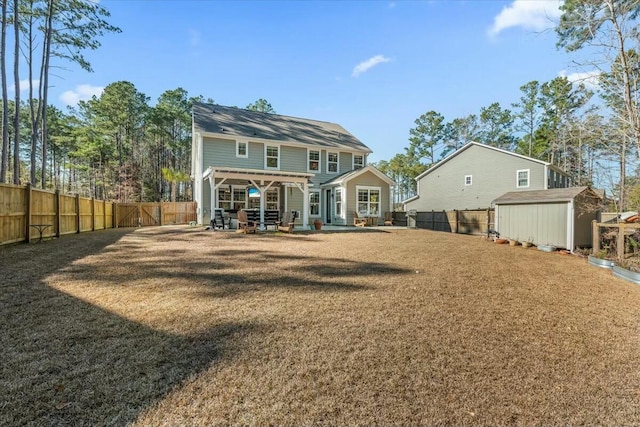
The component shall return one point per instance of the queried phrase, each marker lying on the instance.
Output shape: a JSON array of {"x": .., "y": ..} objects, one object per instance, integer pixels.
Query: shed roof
[
  {"x": 543, "y": 196},
  {"x": 218, "y": 119}
]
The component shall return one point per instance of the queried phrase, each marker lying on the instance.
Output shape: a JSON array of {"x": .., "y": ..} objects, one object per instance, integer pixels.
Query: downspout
[{"x": 546, "y": 177}]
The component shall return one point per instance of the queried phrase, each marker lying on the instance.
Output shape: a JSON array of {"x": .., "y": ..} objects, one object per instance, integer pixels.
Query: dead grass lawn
[{"x": 179, "y": 326}]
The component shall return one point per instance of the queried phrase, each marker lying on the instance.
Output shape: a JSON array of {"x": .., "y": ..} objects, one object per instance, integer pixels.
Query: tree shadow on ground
[{"x": 68, "y": 362}]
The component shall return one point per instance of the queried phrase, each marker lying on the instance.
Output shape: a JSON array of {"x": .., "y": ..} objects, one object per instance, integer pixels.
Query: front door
[{"x": 328, "y": 204}]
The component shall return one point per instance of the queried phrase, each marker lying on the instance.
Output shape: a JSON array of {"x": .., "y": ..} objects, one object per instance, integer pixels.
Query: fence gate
[{"x": 128, "y": 215}]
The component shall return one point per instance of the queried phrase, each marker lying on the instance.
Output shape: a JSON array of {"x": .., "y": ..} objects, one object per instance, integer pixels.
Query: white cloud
[
  {"x": 24, "y": 86},
  {"x": 589, "y": 78},
  {"x": 81, "y": 93},
  {"x": 536, "y": 15},
  {"x": 365, "y": 66}
]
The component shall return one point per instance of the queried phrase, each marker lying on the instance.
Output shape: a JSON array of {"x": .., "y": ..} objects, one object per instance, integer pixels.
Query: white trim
[
  {"x": 343, "y": 179},
  {"x": 266, "y": 146},
  {"x": 528, "y": 171},
  {"x": 570, "y": 225},
  {"x": 319, "y": 151},
  {"x": 337, "y": 162},
  {"x": 246, "y": 143},
  {"x": 470, "y": 183},
  {"x": 316, "y": 191},
  {"x": 353, "y": 160},
  {"x": 369, "y": 188},
  {"x": 338, "y": 213}
]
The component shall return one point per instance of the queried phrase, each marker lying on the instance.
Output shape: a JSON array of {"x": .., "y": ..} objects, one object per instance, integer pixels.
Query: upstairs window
[
  {"x": 272, "y": 157},
  {"x": 314, "y": 160},
  {"x": 332, "y": 162},
  {"x": 522, "y": 178},
  {"x": 358, "y": 161},
  {"x": 468, "y": 179},
  {"x": 242, "y": 149}
]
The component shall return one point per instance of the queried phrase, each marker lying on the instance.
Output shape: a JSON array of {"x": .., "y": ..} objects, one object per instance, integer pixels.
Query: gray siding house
[
  {"x": 245, "y": 159},
  {"x": 476, "y": 174}
]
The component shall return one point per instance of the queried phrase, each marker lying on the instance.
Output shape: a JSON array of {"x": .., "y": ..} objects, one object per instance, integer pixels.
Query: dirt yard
[{"x": 180, "y": 326}]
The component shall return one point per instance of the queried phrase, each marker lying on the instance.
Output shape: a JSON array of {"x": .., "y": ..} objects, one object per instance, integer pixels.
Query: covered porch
[{"x": 233, "y": 189}]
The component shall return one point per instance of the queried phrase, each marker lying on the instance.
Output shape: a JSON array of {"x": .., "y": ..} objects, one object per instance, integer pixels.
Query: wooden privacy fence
[
  {"x": 623, "y": 231},
  {"x": 27, "y": 213},
  {"x": 457, "y": 221}
]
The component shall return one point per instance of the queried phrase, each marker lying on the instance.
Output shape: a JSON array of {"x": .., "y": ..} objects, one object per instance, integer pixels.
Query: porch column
[
  {"x": 305, "y": 205},
  {"x": 214, "y": 200}
]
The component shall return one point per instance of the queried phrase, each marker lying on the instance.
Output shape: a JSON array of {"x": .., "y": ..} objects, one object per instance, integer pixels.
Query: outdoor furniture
[
  {"x": 388, "y": 218},
  {"x": 218, "y": 219},
  {"x": 244, "y": 224},
  {"x": 286, "y": 224},
  {"x": 359, "y": 221}
]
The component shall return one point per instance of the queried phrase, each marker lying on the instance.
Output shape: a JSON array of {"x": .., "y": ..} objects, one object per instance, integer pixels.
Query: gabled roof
[
  {"x": 472, "y": 144},
  {"x": 347, "y": 176},
  {"x": 543, "y": 196},
  {"x": 238, "y": 122}
]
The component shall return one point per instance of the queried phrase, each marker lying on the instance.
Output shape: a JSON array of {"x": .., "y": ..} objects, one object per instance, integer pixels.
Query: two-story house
[
  {"x": 244, "y": 159},
  {"x": 477, "y": 174}
]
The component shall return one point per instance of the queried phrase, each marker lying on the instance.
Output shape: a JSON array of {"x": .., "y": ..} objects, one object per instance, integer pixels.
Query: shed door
[{"x": 543, "y": 223}]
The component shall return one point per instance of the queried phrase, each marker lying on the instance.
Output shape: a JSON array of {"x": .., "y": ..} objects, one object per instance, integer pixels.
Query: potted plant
[
  {"x": 317, "y": 224},
  {"x": 527, "y": 243},
  {"x": 513, "y": 242}
]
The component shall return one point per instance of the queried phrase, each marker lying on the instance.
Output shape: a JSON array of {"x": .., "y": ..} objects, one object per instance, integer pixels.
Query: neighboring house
[
  {"x": 476, "y": 174},
  {"x": 558, "y": 217},
  {"x": 245, "y": 159}
]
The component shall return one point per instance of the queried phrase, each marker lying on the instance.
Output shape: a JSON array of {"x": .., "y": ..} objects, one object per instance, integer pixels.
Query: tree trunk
[
  {"x": 5, "y": 101},
  {"x": 16, "y": 76},
  {"x": 45, "y": 90}
]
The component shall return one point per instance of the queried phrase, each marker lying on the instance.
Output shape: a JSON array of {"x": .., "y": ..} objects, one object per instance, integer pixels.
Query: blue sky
[{"x": 371, "y": 66}]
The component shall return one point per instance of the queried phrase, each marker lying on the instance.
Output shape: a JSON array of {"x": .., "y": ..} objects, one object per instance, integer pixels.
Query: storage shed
[{"x": 559, "y": 217}]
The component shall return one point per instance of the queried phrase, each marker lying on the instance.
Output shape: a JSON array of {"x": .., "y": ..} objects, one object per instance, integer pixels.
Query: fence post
[
  {"x": 27, "y": 220},
  {"x": 78, "y": 221},
  {"x": 93, "y": 214},
  {"x": 116, "y": 220},
  {"x": 620, "y": 241},
  {"x": 161, "y": 213},
  {"x": 58, "y": 216},
  {"x": 457, "y": 220},
  {"x": 104, "y": 214},
  {"x": 488, "y": 220},
  {"x": 595, "y": 237},
  {"x": 433, "y": 219}
]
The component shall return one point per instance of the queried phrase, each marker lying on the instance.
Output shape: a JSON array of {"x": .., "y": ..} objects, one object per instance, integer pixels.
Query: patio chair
[
  {"x": 358, "y": 221},
  {"x": 244, "y": 224},
  {"x": 218, "y": 219},
  {"x": 286, "y": 224},
  {"x": 388, "y": 218}
]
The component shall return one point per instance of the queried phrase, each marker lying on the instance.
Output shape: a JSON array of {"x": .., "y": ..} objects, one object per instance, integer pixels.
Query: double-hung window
[
  {"x": 314, "y": 203},
  {"x": 368, "y": 200},
  {"x": 338, "y": 201},
  {"x": 332, "y": 162},
  {"x": 272, "y": 157},
  {"x": 314, "y": 160},
  {"x": 242, "y": 149},
  {"x": 358, "y": 161},
  {"x": 522, "y": 178}
]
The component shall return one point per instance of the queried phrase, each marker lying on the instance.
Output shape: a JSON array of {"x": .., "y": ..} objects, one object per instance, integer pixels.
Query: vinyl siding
[
  {"x": 543, "y": 223},
  {"x": 222, "y": 153},
  {"x": 370, "y": 180},
  {"x": 493, "y": 174}
]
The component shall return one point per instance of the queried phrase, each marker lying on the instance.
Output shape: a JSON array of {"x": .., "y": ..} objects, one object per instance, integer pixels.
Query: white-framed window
[
  {"x": 338, "y": 203},
  {"x": 314, "y": 203},
  {"x": 333, "y": 162},
  {"x": 272, "y": 199},
  {"x": 358, "y": 161},
  {"x": 368, "y": 200},
  {"x": 232, "y": 198},
  {"x": 468, "y": 179},
  {"x": 271, "y": 157},
  {"x": 242, "y": 149},
  {"x": 313, "y": 165},
  {"x": 522, "y": 178}
]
